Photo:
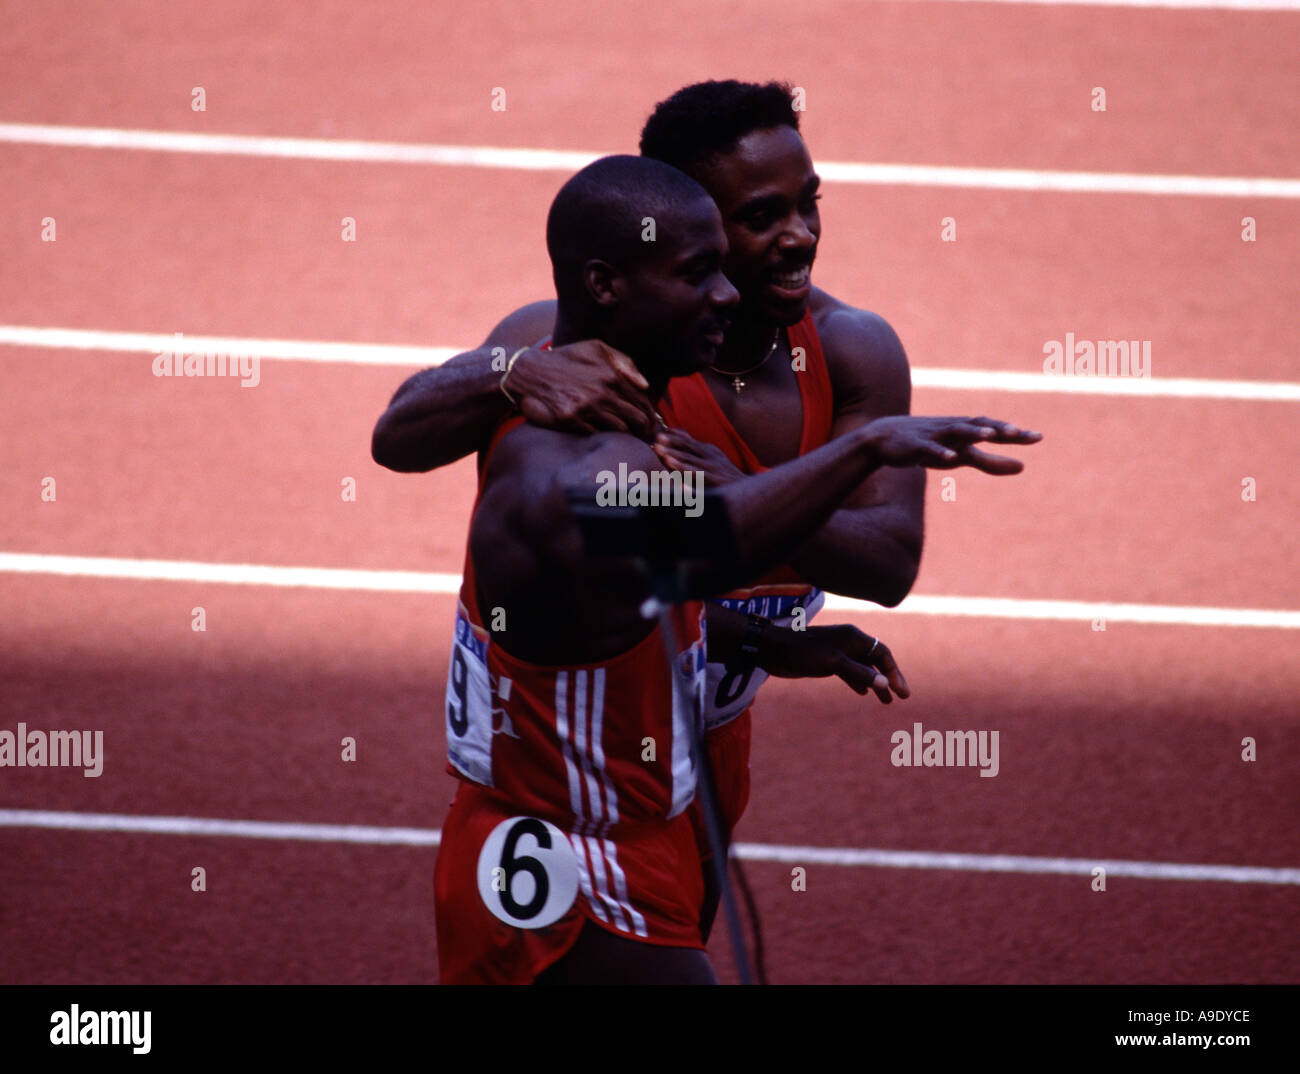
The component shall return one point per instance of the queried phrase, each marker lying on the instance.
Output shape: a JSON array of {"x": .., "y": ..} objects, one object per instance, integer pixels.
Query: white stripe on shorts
[
  {"x": 601, "y": 884},
  {"x": 584, "y": 875},
  {"x": 620, "y": 885}
]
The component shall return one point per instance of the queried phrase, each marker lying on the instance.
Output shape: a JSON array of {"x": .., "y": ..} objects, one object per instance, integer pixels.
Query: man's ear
[{"x": 604, "y": 283}]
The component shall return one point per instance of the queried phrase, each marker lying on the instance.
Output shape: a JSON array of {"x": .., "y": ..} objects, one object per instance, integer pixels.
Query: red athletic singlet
[
  {"x": 690, "y": 405},
  {"x": 576, "y": 781}
]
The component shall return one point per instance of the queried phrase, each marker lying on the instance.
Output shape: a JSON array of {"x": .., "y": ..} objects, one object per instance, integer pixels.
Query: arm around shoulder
[{"x": 442, "y": 414}]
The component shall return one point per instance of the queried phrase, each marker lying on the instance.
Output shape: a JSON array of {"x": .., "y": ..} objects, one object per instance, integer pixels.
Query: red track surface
[{"x": 1122, "y": 744}]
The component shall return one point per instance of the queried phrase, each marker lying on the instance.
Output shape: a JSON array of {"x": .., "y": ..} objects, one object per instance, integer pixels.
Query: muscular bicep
[
  {"x": 528, "y": 490},
  {"x": 870, "y": 379}
]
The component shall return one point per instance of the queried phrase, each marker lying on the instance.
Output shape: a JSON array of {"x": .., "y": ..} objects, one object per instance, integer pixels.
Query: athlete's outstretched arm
[
  {"x": 773, "y": 512},
  {"x": 445, "y": 413},
  {"x": 870, "y": 547}
]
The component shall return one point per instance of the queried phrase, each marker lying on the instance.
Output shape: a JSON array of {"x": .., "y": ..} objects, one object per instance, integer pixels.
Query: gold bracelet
[{"x": 509, "y": 366}]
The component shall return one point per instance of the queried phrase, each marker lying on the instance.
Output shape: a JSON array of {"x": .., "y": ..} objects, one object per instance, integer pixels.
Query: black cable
[
  {"x": 661, "y": 541},
  {"x": 718, "y": 845},
  {"x": 704, "y": 792},
  {"x": 755, "y": 922}
]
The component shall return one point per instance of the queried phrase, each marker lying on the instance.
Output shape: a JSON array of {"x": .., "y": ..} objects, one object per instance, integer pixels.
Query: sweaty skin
[
  {"x": 666, "y": 306},
  {"x": 669, "y": 309},
  {"x": 565, "y": 607},
  {"x": 766, "y": 192}
]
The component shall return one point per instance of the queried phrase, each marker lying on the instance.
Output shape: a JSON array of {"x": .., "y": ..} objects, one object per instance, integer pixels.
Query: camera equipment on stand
[{"x": 663, "y": 540}]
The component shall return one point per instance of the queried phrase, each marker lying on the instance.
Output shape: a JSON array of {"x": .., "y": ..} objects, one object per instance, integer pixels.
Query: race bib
[
  {"x": 728, "y": 693},
  {"x": 527, "y": 873},
  {"x": 471, "y": 699}
]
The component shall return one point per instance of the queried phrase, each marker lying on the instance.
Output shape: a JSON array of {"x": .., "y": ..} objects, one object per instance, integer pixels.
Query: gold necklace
[{"x": 735, "y": 375}]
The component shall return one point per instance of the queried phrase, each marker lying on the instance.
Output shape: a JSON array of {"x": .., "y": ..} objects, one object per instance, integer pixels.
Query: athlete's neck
[
  {"x": 748, "y": 340},
  {"x": 570, "y": 329}
]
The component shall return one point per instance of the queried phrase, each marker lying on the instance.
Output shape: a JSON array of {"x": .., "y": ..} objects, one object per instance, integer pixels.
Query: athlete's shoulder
[
  {"x": 549, "y": 454},
  {"x": 525, "y": 326},
  {"x": 523, "y": 502},
  {"x": 518, "y": 503},
  {"x": 864, "y": 356},
  {"x": 847, "y": 332},
  {"x": 528, "y": 447}
]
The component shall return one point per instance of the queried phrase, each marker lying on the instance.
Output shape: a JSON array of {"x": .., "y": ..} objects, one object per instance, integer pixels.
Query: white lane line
[
  {"x": 1014, "y": 863},
  {"x": 1193, "y": 5},
  {"x": 1135, "y": 387},
  {"x": 169, "y": 570},
  {"x": 155, "y": 343},
  {"x": 1058, "y": 182},
  {"x": 841, "y": 856},
  {"x": 253, "y": 145},
  {"x": 166, "y": 570},
  {"x": 391, "y": 354},
  {"x": 241, "y": 829},
  {"x": 552, "y": 160},
  {"x": 1075, "y": 611}
]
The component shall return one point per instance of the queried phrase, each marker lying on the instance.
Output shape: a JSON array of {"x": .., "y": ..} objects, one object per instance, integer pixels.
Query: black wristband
[{"x": 749, "y": 643}]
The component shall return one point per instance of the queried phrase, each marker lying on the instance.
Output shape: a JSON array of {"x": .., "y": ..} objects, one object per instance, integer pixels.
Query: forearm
[
  {"x": 442, "y": 414},
  {"x": 726, "y": 631},
  {"x": 870, "y": 553},
  {"x": 772, "y": 513}
]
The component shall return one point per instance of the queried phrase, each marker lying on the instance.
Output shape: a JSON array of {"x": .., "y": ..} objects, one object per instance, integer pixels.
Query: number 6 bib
[{"x": 527, "y": 873}]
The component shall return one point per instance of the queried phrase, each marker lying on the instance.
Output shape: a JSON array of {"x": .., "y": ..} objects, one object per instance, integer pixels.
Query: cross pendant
[{"x": 737, "y": 383}]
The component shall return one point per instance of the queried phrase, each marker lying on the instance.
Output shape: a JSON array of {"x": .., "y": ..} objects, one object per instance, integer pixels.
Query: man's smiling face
[{"x": 766, "y": 190}]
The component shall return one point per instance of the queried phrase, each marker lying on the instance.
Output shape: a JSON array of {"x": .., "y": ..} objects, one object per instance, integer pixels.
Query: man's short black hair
[
  {"x": 600, "y": 213},
  {"x": 707, "y": 119}
]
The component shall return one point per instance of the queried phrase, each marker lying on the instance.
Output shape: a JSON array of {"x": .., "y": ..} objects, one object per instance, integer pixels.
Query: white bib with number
[
  {"x": 527, "y": 873},
  {"x": 470, "y": 700}
]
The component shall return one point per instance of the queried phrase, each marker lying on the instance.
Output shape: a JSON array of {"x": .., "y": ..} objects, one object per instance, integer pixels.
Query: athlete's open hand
[
  {"x": 681, "y": 451},
  {"x": 946, "y": 443},
  {"x": 582, "y": 387},
  {"x": 864, "y": 662}
]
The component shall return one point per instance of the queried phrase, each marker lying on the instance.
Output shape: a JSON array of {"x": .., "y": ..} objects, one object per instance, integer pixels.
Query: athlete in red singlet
[
  {"x": 558, "y": 751},
  {"x": 568, "y": 853},
  {"x": 763, "y": 401},
  {"x": 777, "y": 596}
]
